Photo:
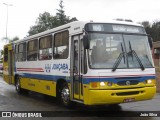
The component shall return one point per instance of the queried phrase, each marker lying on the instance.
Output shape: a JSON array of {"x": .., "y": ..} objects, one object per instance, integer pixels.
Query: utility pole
[{"x": 7, "y": 19}]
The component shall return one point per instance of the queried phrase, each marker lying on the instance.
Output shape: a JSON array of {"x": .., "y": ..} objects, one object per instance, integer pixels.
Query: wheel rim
[{"x": 65, "y": 95}]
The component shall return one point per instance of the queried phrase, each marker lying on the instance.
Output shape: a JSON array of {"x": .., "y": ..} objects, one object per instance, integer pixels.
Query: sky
[{"x": 23, "y": 13}]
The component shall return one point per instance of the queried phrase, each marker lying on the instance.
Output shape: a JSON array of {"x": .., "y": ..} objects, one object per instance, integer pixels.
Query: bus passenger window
[
  {"x": 61, "y": 45},
  {"x": 22, "y": 52},
  {"x": 32, "y": 50},
  {"x": 45, "y": 50}
]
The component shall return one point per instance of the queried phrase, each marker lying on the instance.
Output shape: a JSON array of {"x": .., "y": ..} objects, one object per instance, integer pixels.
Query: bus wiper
[
  {"x": 123, "y": 52},
  {"x": 119, "y": 59},
  {"x": 132, "y": 52}
]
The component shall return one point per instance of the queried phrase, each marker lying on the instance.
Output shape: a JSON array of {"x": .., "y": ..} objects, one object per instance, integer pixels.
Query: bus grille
[
  {"x": 127, "y": 93},
  {"x": 127, "y": 82}
]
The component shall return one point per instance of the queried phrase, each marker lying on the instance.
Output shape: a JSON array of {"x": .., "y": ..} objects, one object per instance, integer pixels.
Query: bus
[{"x": 93, "y": 63}]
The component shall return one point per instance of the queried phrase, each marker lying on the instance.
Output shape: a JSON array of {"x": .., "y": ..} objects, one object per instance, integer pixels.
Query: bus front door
[{"x": 76, "y": 84}]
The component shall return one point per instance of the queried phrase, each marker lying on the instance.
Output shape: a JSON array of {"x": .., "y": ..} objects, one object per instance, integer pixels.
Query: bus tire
[
  {"x": 65, "y": 96},
  {"x": 18, "y": 86}
]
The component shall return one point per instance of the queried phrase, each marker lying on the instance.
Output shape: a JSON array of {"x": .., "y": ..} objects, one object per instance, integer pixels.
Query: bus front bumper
[{"x": 97, "y": 97}]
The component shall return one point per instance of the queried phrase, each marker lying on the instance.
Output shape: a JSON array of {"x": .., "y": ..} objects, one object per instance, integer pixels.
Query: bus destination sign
[
  {"x": 119, "y": 28},
  {"x": 124, "y": 28}
]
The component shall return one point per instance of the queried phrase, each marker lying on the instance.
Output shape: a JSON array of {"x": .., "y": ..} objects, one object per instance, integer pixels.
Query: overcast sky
[{"x": 23, "y": 13}]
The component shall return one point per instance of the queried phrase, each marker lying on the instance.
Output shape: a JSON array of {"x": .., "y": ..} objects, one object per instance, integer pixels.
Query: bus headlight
[
  {"x": 149, "y": 81},
  {"x": 102, "y": 84}
]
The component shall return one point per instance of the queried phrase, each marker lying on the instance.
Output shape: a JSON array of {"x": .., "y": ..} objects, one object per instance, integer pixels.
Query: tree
[
  {"x": 148, "y": 27},
  {"x": 14, "y": 39},
  {"x": 61, "y": 17},
  {"x": 146, "y": 24},
  {"x": 152, "y": 29},
  {"x": 156, "y": 30},
  {"x": 46, "y": 21}
]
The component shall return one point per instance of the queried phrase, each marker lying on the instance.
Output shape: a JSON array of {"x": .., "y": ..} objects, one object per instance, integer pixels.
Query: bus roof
[{"x": 73, "y": 25}]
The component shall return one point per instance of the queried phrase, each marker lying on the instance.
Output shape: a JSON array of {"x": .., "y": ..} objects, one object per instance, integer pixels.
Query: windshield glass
[
  {"x": 139, "y": 44},
  {"x": 106, "y": 49}
]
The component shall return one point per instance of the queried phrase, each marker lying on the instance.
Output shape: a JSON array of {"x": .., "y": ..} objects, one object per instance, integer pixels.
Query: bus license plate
[{"x": 128, "y": 100}]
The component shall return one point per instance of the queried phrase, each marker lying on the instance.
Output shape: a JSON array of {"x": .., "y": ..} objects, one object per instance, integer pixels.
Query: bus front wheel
[{"x": 65, "y": 96}]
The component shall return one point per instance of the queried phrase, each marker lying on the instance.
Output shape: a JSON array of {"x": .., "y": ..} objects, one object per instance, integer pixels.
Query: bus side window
[
  {"x": 61, "y": 45},
  {"x": 32, "y": 50},
  {"x": 45, "y": 50},
  {"x": 22, "y": 52}
]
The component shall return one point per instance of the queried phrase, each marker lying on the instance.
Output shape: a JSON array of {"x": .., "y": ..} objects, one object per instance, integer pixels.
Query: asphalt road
[{"x": 11, "y": 101}]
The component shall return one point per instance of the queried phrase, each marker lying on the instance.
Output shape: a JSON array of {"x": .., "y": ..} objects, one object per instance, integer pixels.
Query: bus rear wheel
[{"x": 18, "y": 86}]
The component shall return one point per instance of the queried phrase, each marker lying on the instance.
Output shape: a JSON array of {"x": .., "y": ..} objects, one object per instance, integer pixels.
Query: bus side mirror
[
  {"x": 150, "y": 40},
  {"x": 86, "y": 42}
]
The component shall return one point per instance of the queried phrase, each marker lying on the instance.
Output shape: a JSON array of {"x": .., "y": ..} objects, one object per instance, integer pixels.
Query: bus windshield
[{"x": 106, "y": 49}]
